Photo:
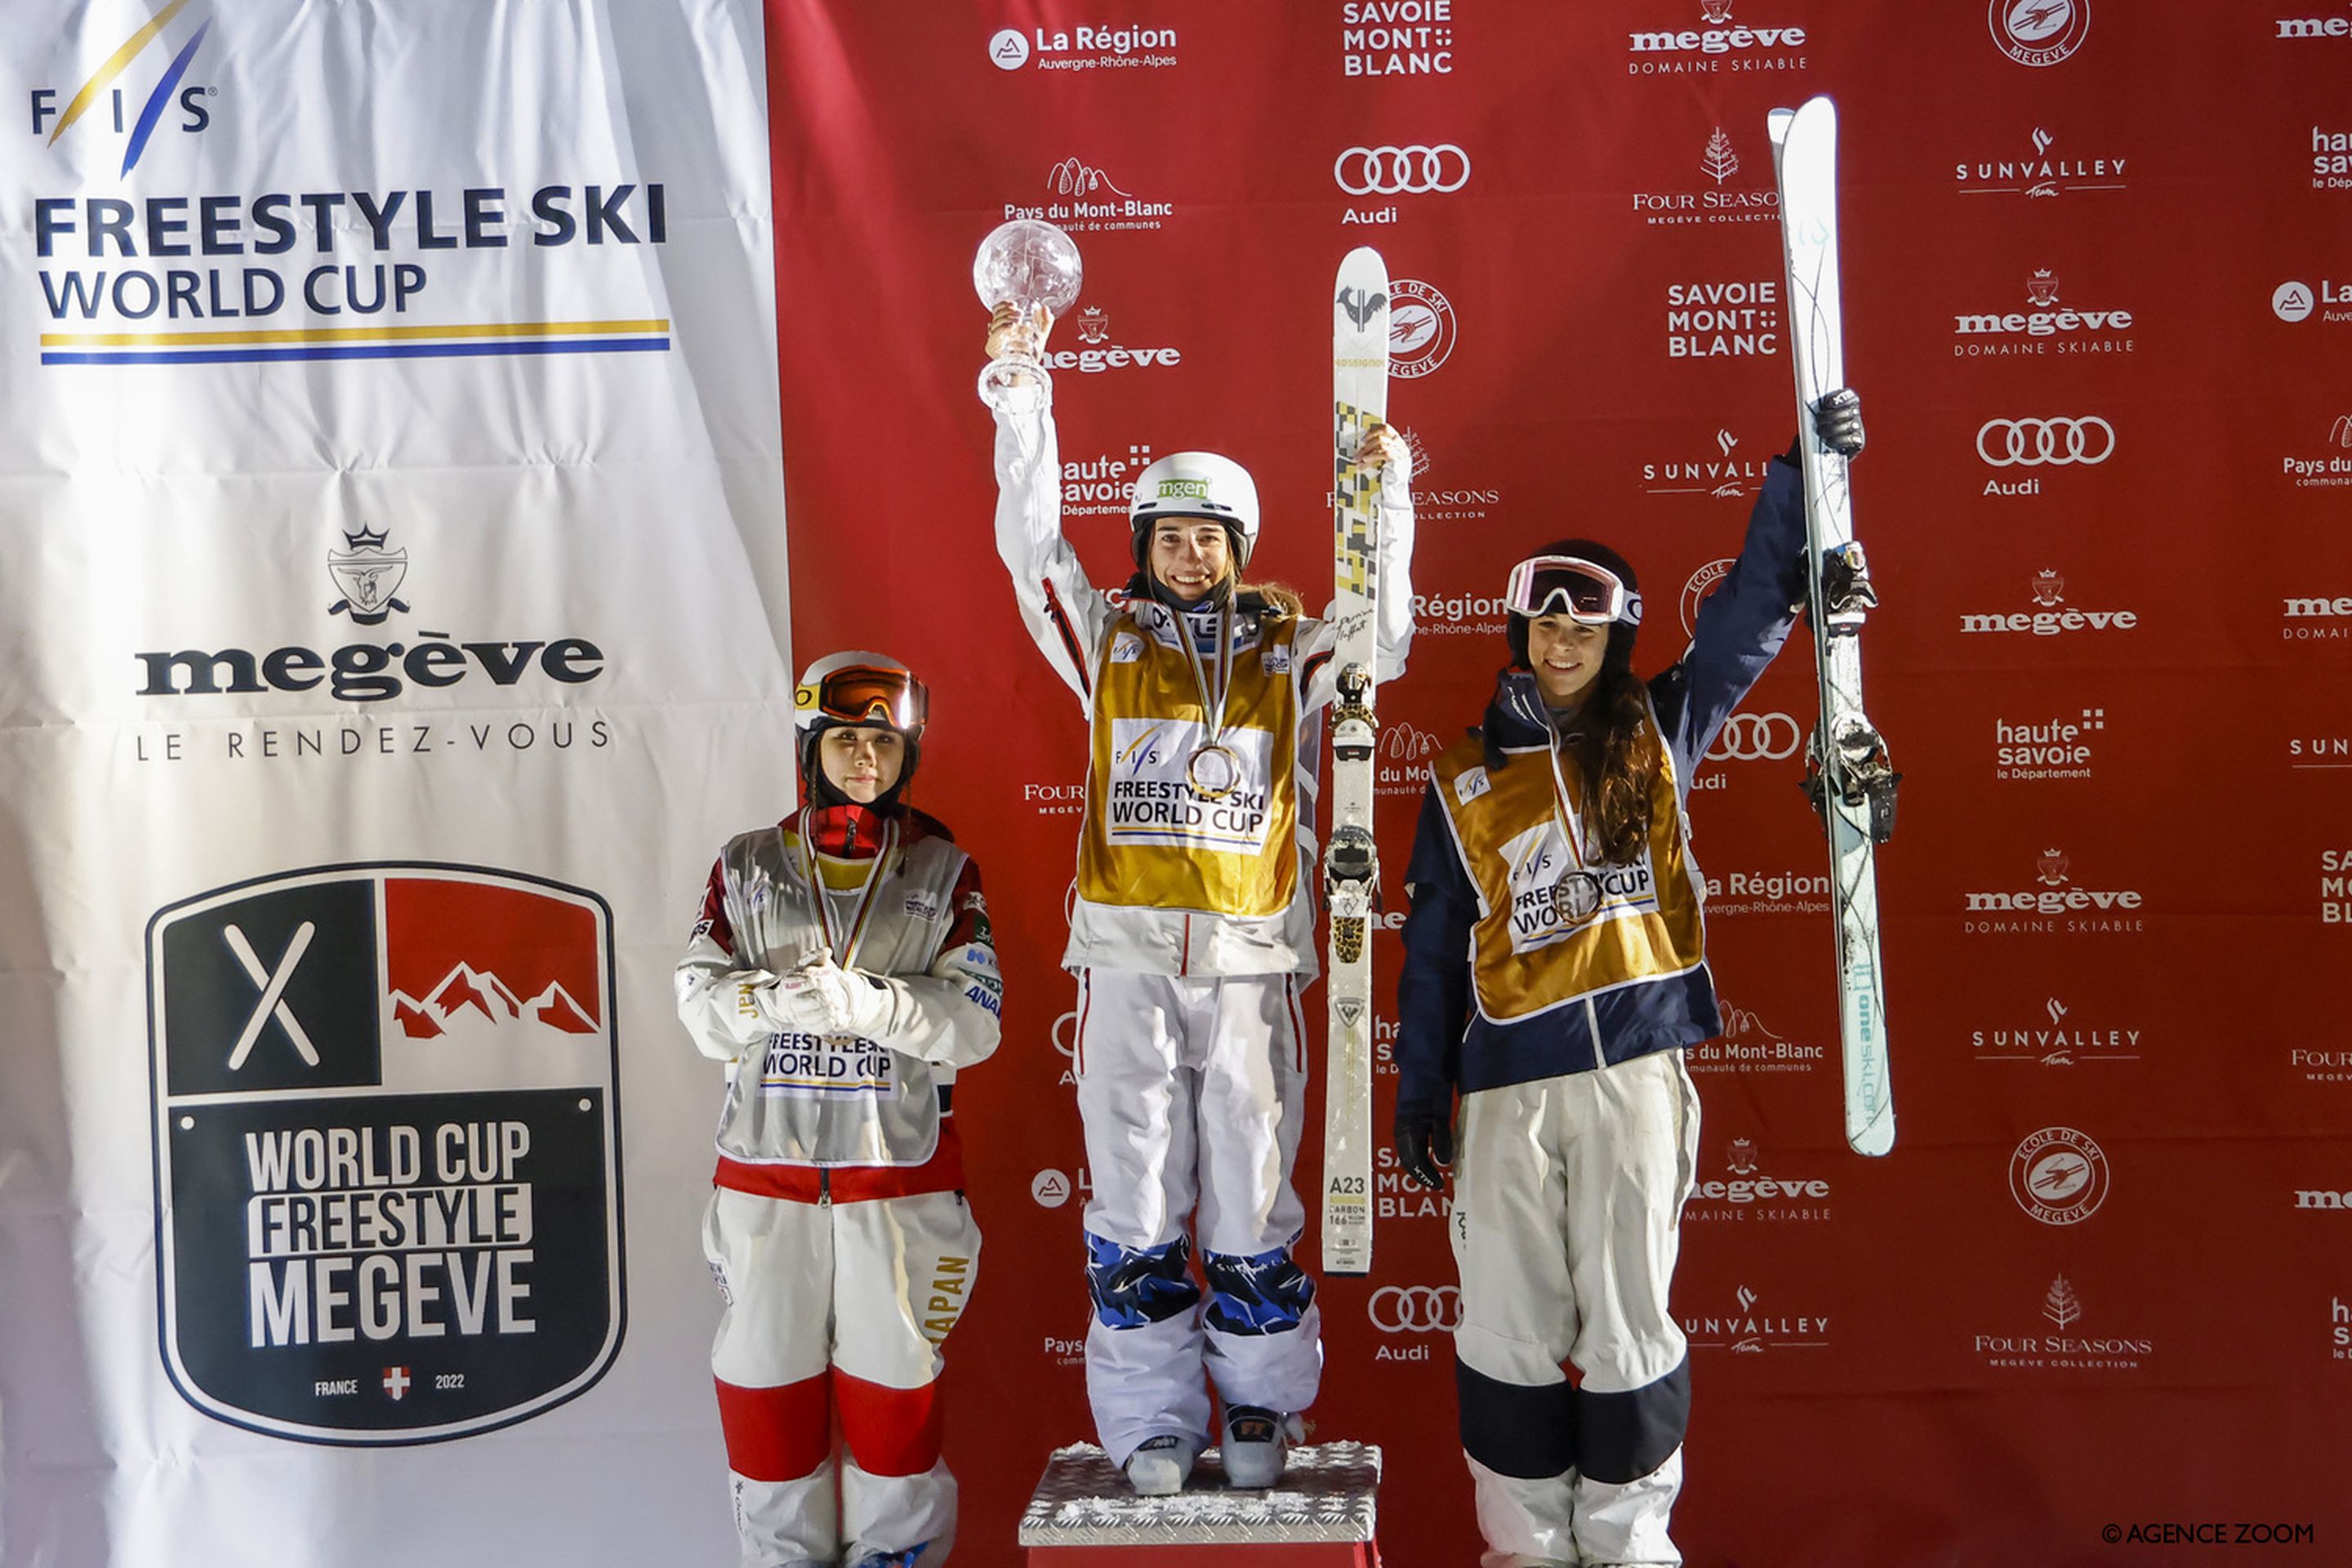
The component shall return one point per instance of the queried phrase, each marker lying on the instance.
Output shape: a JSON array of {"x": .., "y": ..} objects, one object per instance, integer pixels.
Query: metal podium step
[{"x": 1322, "y": 1515}]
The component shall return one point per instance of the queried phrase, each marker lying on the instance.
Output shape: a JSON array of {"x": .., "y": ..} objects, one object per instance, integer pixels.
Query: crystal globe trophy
[{"x": 1028, "y": 263}]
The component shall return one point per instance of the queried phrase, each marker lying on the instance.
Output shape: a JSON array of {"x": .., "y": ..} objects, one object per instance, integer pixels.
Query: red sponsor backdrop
[{"x": 2100, "y": 307}]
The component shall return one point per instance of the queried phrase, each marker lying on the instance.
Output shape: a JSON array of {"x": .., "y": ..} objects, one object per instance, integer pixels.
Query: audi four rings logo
[
  {"x": 2030, "y": 442},
  {"x": 1402, "y": 171},
  {"x": 1415, "y": 1309},
  {"x": 1757, "y": 738}
]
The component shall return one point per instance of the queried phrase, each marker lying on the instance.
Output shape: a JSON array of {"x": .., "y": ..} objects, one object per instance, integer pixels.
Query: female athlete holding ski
[
  {"x": 1552, "y": 849},
  {"x": 1193, "y": 932},
  {"x": 842, "y": 966}
]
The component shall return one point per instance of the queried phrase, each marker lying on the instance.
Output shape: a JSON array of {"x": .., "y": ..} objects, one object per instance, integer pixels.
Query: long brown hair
[
  {"x": 1610, "y": 737},
  {"x": 1616, "y": 751}
]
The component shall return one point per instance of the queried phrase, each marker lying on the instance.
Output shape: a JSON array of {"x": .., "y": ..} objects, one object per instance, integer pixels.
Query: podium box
[{"x": 1322, "y": 1515}]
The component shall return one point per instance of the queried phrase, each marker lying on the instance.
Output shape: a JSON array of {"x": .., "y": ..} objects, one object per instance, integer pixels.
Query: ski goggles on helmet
[
  {"x": 1583, "y": 591},
  {"x": 865, "y": 694}
]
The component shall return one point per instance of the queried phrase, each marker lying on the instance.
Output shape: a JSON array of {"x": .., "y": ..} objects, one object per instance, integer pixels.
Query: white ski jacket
[{"x": 1073, "y": 622}]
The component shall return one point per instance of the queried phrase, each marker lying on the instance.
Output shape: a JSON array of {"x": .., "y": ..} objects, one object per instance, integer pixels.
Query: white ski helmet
[
  {"x": 1195, "y": 484},
  {"x": 851, "y": 689}
]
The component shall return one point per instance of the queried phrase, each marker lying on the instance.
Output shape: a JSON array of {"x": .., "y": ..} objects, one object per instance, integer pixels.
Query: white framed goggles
[{"x": 1584, "y": 591}]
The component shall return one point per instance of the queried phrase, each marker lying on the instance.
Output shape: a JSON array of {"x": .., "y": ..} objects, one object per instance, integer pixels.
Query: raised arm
[
  {"x": 1393, "y": 603},
  {"x": 1066, "y": 615}
]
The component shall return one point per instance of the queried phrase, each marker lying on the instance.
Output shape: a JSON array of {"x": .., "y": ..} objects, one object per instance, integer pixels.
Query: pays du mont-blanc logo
[{"x": 386, "y": 1135}]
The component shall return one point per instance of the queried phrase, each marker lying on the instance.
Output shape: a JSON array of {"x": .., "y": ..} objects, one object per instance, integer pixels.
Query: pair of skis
[
  {"x": 1351, "y": 866},
  {"x": 1848, "y": 774}
]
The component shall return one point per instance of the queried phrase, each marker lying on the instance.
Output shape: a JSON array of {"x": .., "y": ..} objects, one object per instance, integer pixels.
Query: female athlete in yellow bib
[{"x": 1192, "y": 932}]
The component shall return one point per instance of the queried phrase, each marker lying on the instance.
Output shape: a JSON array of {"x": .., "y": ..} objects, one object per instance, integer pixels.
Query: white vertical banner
[{"x": 390, "y": 606}]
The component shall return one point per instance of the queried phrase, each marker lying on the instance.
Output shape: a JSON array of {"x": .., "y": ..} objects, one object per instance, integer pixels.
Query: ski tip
[{"x": 1777, "y": 123}]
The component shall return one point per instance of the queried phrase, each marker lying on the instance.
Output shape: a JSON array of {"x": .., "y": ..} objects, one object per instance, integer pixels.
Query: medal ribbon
[
  {"x": 1212, "y": 701},
  {"x": 863, "y": 911},
  {"x": 1570, "y": 821}
]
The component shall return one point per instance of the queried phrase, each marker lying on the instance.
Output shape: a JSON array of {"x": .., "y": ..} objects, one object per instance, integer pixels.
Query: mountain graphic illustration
[
  {"x": 470, "y": 999},
  {"x": 555, "y": 1008},
  {"x": 465, "y": 986}
]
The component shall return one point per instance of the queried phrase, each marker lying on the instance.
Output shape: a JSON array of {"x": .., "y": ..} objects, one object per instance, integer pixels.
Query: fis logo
[{"x": 100, "y": 92}]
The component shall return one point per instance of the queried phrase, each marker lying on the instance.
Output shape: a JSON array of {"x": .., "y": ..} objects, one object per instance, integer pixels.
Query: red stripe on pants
[
  {"x": 890, "y": 1431},
  {"x": 776, "y": 1434}
]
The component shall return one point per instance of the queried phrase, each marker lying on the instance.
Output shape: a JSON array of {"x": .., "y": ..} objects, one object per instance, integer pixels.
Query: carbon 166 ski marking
[
  {"x": 1351, "y": 870},
  {"x": 1848, "y": 774}
]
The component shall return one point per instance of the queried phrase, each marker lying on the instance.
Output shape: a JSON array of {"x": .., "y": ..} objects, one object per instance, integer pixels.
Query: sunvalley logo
[
  {"x": 1724, "y": 474},
  {"x": 2041, "y": 174},
  {"x": 1723, "y": 44},
  {"x": 1744, "y": 1330},
  {"x": 2050, "y": 619},
  {"x": 2060, "y": 1038},
  {"x": 2047, "y": 327}
]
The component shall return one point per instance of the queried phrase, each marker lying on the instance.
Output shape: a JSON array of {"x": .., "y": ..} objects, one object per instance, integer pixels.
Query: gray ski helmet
[
  {"x": 1620, "y": 652},
  {"x": 1195, "y": 484}
]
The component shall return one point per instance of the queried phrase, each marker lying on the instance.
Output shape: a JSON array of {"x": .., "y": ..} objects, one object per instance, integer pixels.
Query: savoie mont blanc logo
[{"x": 387, "y": 1147}]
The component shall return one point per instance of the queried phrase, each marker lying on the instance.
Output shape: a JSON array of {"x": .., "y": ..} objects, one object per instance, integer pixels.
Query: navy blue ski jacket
[{"x": 1740, "y": 627}]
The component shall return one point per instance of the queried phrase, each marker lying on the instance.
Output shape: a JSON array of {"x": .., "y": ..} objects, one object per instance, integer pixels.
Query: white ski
[
  {"x": 1847, "y": 772},
  {"x": 1351, "y": 867}
]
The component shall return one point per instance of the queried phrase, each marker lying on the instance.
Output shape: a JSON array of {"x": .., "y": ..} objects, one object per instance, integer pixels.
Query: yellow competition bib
[
  {"x": 1555, "y": 926},
  {"x": 1180, "y": 815}
]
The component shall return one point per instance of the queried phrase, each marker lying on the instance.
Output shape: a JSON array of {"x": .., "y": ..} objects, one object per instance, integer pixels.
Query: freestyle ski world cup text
[{"x": 124, "y": 241}]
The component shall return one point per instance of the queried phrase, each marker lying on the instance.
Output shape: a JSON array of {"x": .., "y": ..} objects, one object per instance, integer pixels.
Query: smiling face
[
  {"x": 1190, "y": 556},
  {"x": 863, "y": 761},
  {"x": 1566, "y": 656}
]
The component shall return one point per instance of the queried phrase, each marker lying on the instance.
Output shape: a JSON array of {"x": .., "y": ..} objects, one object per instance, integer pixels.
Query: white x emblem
[{"x": 273, "y": 990}]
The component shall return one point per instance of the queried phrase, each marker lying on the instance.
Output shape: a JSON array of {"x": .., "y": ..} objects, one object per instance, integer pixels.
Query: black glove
[
  {"x": 1837, "y": 420},
  {"x": 1424, "y": 1144}
]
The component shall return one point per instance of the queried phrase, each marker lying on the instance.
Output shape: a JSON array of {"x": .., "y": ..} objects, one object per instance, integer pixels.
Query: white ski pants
[
  {"x": 1568, "y": 1205},
  {"x": 837, "y": 1310},
  {"x": 1192, "y": 1093}
]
